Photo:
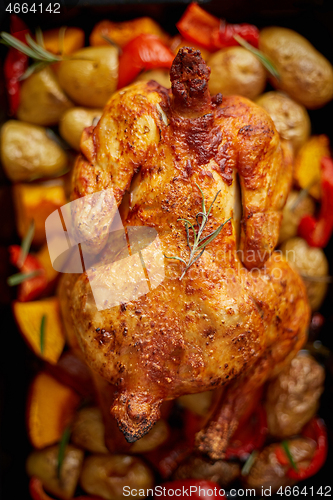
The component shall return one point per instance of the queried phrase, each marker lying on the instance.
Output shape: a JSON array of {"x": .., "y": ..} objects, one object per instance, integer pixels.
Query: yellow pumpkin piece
[
  {"x": 307, "y": 164},
  {"x": 36, "y": 202},
  {"x": 50, "y": 409},
  {"x": 122, "y": 33},
  {"x": 64, "y": 42},
  {"x": 28, "y": 316}
]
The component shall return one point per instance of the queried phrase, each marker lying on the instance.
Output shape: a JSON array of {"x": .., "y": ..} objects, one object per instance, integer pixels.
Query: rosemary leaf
[
  {"x": 265, "y": 61},
  {"x": 36, "y": 66},
  {"x": 176, "y": 258},
  {"x": 18, "y": 278},
  {"x": 11, "y": 41},
  {"x": 39, "y": 37},
  {"x": 26, "y": 244},
  {"x": 42, "y": 333},
  {"x": 112, "y": 42},
  {"x": 213, "y": 235},
  {"x": 249, "y": 463},
  {"x": 41, "y": 53},
  {"x": 62, "y": 448},
  {"x": 285, "y": 446}
]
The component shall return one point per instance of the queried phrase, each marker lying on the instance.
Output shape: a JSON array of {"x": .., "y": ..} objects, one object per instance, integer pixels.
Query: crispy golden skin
[{"x": 221, "y": 319}]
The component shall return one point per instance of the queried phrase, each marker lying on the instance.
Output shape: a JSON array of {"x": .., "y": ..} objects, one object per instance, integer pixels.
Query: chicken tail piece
[{"x": 189, "y": 77}]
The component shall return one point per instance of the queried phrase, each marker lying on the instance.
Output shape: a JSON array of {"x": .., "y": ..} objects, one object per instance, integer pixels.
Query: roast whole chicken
[{"x": 239, "y": 313}]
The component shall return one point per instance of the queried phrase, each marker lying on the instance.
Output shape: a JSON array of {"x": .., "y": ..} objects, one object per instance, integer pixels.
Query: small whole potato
[
  {"x": 42, "y": 100},
  {"x": 107, "y": 475},
  {"x": 88, "y": 430},
  {"x": 236, "y": 71},
  {"x": 310, "y": 263},
  {"x": 290, "y": 118},
  {"x": 74, "y": 121},
  {"x": 305, "y": 74},
  {"x": 293, "y": 211},
  {"x": 28, "y": 153},
  {"x": 90, "y": 76},
  {"x": 155, "y": 437},
  {"x": 44, "y": 463}
]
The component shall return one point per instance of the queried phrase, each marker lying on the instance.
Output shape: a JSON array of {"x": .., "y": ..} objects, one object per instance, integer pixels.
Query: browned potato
[
  {"x": 42, "y": 100},
  {"x": 74, "y": 121},
  {"x": 161, "y": 76},
  {"x": 305, "y": 74},
  {"x": 290, "y": 118},
  {"x": 292, "y": 399},
  {"x": 107, "y": 475},
  {"x": 294, "y": 209},
  {"x": 28, "y": 153},
  {"x": 155, "y": 437},
  {"x": 197, "y": 403},
  {"x": 310, "y": 262},
  {"x": 220, "y": 471},
  {"x": 236, "y": 71},
  {"x": 267, "y": 472},
  {"x": 90, "y": 76},
  {"x": 44, "y": 464},
  {"x": 88, "y": 430}
]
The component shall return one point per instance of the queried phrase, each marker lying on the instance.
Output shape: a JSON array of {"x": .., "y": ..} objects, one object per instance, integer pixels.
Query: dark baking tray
[{"x": 311, "y": 18}]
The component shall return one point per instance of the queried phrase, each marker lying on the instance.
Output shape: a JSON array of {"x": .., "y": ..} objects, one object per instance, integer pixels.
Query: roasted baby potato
[
  {"x": 292, "y": 398},
  {"x": 305, "y": 74},
  {"x": 160, "y": 76},
  {"x": 311, "y": 263},
  {"x": 90, "y": 76},
  {"x": 197, "y": 403},
  {"x": 74, "y": 121},
  {"x": 235, "y": 70},
  {"x": 44, "y": 463},
  {"x": 307, "y": 171},
  {"x": 107, "y": 475},
  {"x": 28, "y": 153},
  {"x": 290, "y": 118},
  {"x": 88, "y": 430},
  {"x": 220, "y": 471},
  {"x": 42, "y": 100},
  {"x": 294, "y": 209}
]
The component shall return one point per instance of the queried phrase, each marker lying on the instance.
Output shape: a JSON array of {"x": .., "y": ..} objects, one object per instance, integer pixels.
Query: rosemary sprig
[
  {"x": 26, "y": 244},
  {"x": 62, "y": 448},
  {"x": 199, "y": 244},
  {"x": 42, "y": 333},
  {"x": 285, "y": 446},
  {"x": 265, "y": 61},
  {"x": 249, "y": 463},
  {"x": 18, "y": 278}
]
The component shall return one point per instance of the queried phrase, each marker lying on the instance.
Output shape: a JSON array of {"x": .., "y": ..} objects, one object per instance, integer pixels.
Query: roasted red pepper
[
  {"x": 317, "y": 232},
  {"x": 195, "y": 488},
  {"x": 31, "y": 288},
  {"x": 315, "y": 430},
  {"x": 198, "y": 26},
  {"x": 249, "y": 436},
  {"x": 16, "y": 64},
  {"x": 144, "y": 52}
]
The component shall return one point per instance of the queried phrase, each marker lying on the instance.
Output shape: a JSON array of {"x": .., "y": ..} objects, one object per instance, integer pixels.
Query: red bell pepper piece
[
  {"x": 249, "y": 436},
  {"x": 315, "y": 430},
  {"x": 199, "y": 27},
  {"x": 31, "y": 288},
  {"x": 16, "y": 64},
  {"x": 37, "y": 492},
  {"x": 144, "y": 52},
  {"x": 197, "y": 489},
  {"x": 317, "y": 232}
]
